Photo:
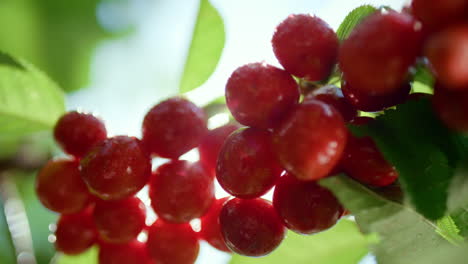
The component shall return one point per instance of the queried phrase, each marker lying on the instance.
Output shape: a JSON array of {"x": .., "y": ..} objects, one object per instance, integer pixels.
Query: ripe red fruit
[
  {"x": 376, "y": 56},
  {"x": 78, "y": 132},
  {"x": 437, "y": 14},
  {"x": 119, "y": 221},
  {"x": 372, "y": 103},
  {"x": 116, "y": 168},
  {"x": 172, "y": 243},
  {"x": 210, "y": 227},
  {"x": 211, "y": 145},
  {"x": 309, "y": 143},
  {"x": 448, "y": 54},
  {"x": 251, "y": 227},
  {"x": 60, "y": 188},
  {"x": 129, "y": 253},
  {"x": 75, "y": 232},
  {"x": 247, "y": 164},
  {"x": 333, "y": 96},
  {"x": 173, "y": 127},
  {"x": 181, "y": 191},
  {"x": 451, "y": 107},
  {"x": 259, "y": 94},
  {"x": 305, "y": 207},
  {"x": 306, "y": 46},
  {"x": 363, "y": 161}
]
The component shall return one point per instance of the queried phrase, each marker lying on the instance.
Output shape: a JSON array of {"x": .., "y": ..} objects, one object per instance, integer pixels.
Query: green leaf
[
  {"x": 29, "y": 100},
  {"x": 89, "y": 257},
  {"x": 423, "y": 151},
  {"x": 206, "y": 47},
  {"x": 39, "y": 217},
  {"x": 404, "y": 234},
  {"x": 342, "y": 244},
  {"x": 352, "y": 19},
  {"x": 448, "y": 229},
  {"x": 423, "y": 80},
  {"x": 458, "y": 198}
]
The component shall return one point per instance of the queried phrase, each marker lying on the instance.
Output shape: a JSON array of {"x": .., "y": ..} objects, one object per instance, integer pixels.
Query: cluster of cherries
[{"x": 289, "y": 142}]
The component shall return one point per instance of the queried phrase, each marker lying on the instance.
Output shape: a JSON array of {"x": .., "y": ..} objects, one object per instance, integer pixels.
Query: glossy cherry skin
[
  {"x": 373, "y": 103},
  {"x": 251, "y": 227},
  {"x": 333, "y": 96},
  {"x": 309, "y": 143},
  {"x": 181, "y": 191},
  {"x": 363, "y": 161},
  {"x": 117, "y": 168},
  {"x": 378, "y": 53},
  {"x": 78, "y": 132},
  {"x": 438, "y": 14},
  {"x": 210, "y": 227},
  {"x": 447, "y": 54},
  {"x": 128, "y": 253},
  {"x": 258, "y": 94},
  {"x": 211, "y": 145},
  {"x": 119, "y": 221},
  {"x": 75, "y": 233},
  {"x": 305, "y": 207},
  {"x": 247, "y": 164},
  {"x": 451, "y": 107},
  {"x": 60, "y": 188},
  {"x": 173, "y": 127},
  {"x": 306, "y": 46},
  {"x": 172, "y": 243}
]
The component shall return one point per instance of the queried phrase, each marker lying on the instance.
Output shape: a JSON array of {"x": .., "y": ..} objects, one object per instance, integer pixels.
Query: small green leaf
[
  {"x": 423, "y": 151},
  {"x": 89, "y": 257},
  {"x": 29, "y": 100},
  {"x": 404, "y": 234},
  {"x": 342, "y": 244},
  {"x": 447, "y": 228},
  {"x": 352, "y": 19},
  {"x": 205, "y": 50},
  {"x": 423, "y": 80}
]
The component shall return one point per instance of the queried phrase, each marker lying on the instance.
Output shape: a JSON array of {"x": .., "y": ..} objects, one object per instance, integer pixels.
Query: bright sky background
[{"x": 132, "y": 74}]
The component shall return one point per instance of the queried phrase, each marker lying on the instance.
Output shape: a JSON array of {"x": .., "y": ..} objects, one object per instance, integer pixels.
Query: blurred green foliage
[{"x": 55, "y": 35}]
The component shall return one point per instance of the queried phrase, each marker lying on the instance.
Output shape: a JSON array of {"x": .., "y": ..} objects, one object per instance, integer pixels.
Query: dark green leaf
[
  {"x": 342, "y": 244},
  {"x": 352, "y": 19},
  {"x": 423, "y": 151},
  {"x": 29, "y": 100},
  {"x": 205, "y": 50},
  {"x": 404, "y": 234}
]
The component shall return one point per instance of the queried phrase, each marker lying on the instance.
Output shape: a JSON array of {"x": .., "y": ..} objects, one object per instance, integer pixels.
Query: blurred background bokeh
[{"x": 117, "y": 58}]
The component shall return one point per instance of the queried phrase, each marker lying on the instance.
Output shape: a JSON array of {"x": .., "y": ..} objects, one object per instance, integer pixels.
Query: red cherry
[
  {"x": 78, "y": 132},
  {"x": 210, "y": 227},
  {"x": 447, "y": 54},
  {"x": 333, "y": 96},
  {"x": 181, "y": 191},
  {"x": 310, "y": 141},
  {"x": 211, "y": 145},
  {"x": 60, "y": 188},
  {"x": 117, "y": 168},
  {"x": 437, "y": 14},
  {"x": 306, "y": 46},
  {"x": 172, "y": 243},
  {"x": 251, "y": 227},
  {"x": 259, "y": 82},
  {"x": 247, "y": 164},
  {"x": 129, "y": 253},
  {"x": 451, "y": 107},
  {"x": 119, "y": 221},
  {"x": 305, "y": 207},
  {"x": 378, "y": 53},
  {"x": 373, "y": 103},
  {"x": 75, "y": 232},
  {"x": 173, "y": 127},
  {"x": 363, "y": 161}
]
